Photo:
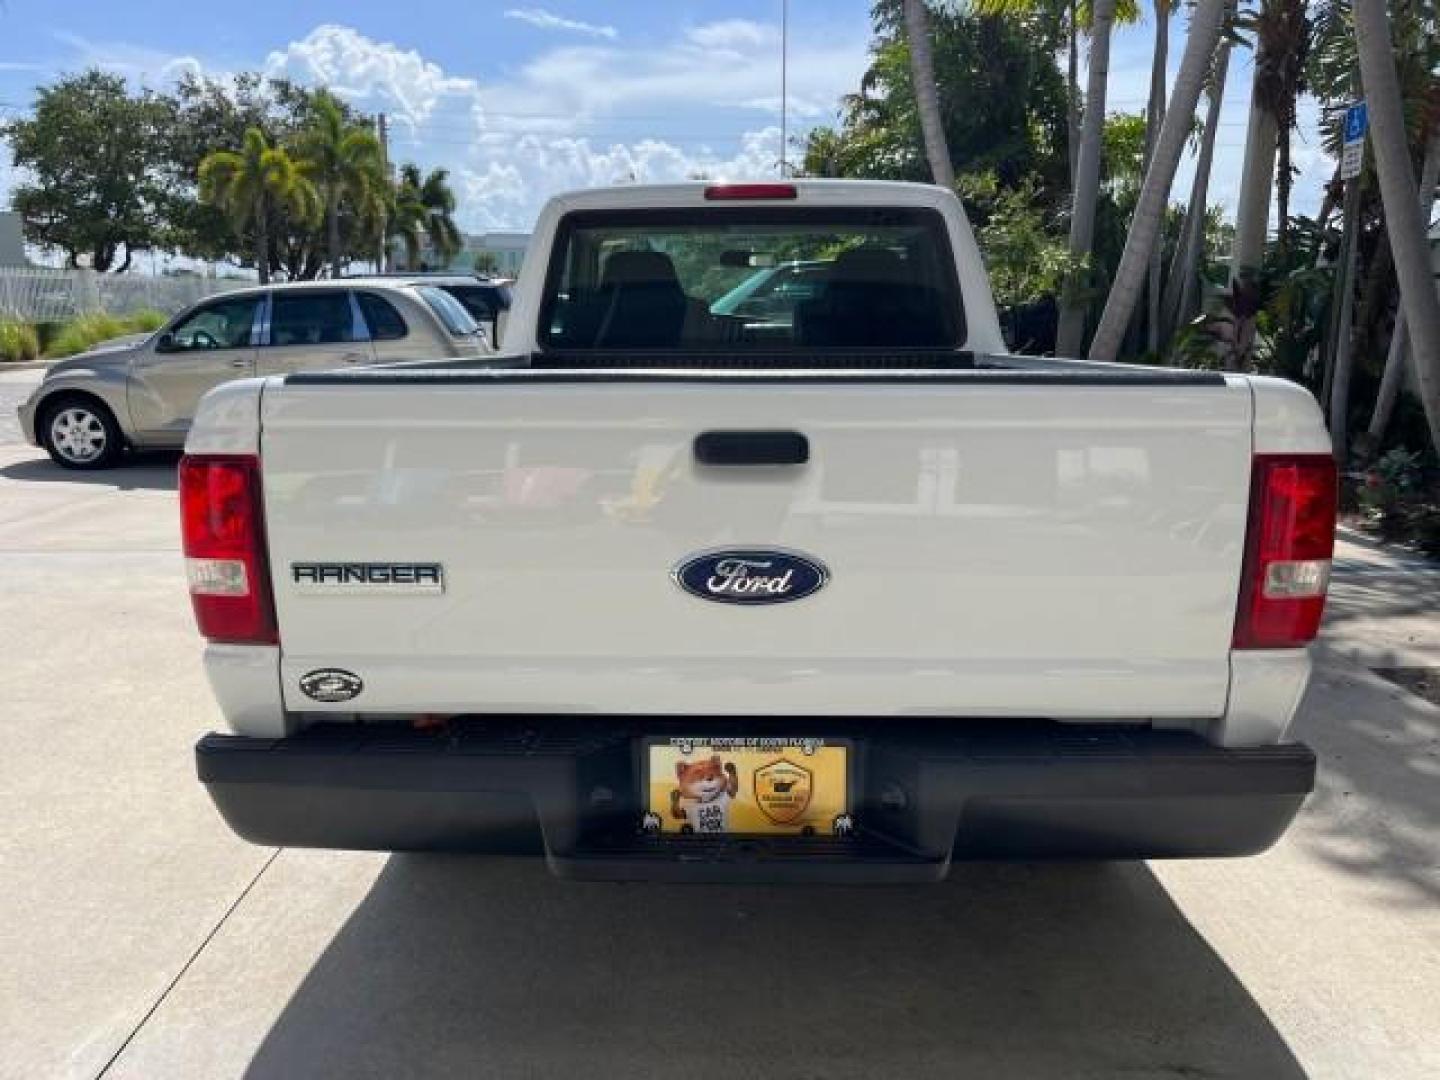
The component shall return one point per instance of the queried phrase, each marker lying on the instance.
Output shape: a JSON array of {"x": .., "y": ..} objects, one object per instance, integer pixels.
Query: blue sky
[{"x": 521, "y": 100}]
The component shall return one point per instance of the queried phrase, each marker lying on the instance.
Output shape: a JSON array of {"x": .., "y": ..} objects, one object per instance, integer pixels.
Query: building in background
[
  {"x": 12, "y": 241},
  {"x": 498, "y": 253}
]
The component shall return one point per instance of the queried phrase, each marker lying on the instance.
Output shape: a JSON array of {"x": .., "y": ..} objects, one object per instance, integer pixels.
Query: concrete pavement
[{"x": 142, "y": 940}]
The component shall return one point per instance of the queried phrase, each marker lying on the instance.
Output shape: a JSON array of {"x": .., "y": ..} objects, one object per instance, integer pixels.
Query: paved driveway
[{"x": 140, "y": 939}]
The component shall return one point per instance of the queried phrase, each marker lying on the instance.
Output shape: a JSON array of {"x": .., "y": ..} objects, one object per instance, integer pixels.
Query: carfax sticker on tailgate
[{"x": 747, "y": 786}]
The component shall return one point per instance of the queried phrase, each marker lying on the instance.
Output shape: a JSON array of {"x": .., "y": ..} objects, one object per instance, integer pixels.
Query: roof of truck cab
[{"x": 808, "y": 192}]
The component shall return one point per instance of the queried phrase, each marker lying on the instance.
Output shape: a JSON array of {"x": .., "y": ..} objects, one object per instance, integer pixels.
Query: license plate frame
[{"x": 769, "y": 786}]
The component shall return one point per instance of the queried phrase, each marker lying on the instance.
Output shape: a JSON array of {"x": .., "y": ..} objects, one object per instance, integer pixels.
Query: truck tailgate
[{"x": 1064, "y": 548}]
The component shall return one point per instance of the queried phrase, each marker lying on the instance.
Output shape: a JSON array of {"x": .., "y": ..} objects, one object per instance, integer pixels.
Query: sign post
[{"x": 1357, "y": 122}]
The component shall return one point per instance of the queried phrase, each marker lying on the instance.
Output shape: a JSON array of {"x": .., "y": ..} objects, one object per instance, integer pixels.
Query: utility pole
[{"x": 382, "y": 132}]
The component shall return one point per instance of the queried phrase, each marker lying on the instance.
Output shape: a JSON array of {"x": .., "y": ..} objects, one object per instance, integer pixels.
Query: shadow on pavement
[
  {"x": 1376, "y": 808},
  {"x": 478, "y": 968},
  {"x": 1373, "y": 597},
  {"x": 149, "y": 470}
]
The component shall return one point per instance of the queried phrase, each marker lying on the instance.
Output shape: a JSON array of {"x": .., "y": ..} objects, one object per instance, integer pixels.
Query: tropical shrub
[
  {"x": 87, "y": 331},
  {"x": 1388, "y": 486},
  {"x": 18, "y": 342}
]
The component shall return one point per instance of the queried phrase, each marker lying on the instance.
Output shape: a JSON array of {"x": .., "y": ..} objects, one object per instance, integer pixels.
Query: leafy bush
[
  {"x": 1390, "y": 480},
  {"x": 18, "y": 341},
  {"x": 1388, "y": 489},
  {"x": 144, "y": 322},
  {"x": 84, "y": 332},
  {"x": 87, "y": 331}
]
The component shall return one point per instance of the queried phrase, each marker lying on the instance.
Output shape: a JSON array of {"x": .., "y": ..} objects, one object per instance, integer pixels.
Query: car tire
[{"x": 79, "y": 432}]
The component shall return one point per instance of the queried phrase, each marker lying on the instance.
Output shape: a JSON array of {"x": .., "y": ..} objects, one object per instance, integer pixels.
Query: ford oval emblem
[
  {"x": 751, "y": 576},
  {"x": 331, "y": 685}
]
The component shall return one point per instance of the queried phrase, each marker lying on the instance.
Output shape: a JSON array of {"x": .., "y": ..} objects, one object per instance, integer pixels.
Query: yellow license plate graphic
[{"x": 752, "y": 786}]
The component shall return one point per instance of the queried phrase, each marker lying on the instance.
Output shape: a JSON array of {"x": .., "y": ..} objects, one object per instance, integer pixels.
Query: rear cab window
[{"x": 753, "y": 280}]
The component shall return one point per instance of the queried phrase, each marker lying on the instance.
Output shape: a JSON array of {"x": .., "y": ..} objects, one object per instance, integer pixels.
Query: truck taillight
[
  {"x": 726, "y": 192},
  {"x": 222, "y": 525},
  {"x": 1288, "y": 545}
]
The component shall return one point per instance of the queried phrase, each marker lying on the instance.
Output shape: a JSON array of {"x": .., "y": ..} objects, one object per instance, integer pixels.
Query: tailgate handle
[{"x": 752, "y": 448}]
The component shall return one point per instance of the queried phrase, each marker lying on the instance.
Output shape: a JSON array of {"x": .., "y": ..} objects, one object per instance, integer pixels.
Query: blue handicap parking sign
[{"x": 1357, "y": 119}]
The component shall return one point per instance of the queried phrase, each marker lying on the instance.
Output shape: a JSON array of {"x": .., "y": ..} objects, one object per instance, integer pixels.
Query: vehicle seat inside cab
[{"x": 870, "y": 298}]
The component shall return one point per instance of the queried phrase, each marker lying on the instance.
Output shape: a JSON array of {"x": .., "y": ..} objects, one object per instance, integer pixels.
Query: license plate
[{"x": 747, "y": 786}]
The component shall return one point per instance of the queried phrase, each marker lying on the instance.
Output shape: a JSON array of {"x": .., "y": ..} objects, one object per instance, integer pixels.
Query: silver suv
[{"x": 143, "y": 393}]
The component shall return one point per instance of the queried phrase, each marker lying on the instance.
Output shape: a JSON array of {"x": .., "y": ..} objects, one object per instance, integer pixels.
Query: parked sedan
[{"x": 90, "y": 407}]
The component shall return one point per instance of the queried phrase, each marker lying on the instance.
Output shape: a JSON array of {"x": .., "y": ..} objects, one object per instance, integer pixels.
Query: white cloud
[
  {"x": 703, "y": 102},
  {"x": 548, "y": 20},
  {"x": 733, "y": 34},
  {"x": 144, "y": 65},
  {"x": 582, "y": 115},
  {"x": 706, "y": 67},
  {"x": 379, "y": 74}
]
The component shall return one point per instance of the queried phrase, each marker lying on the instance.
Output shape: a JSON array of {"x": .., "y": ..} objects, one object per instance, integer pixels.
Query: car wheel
[{"x": 80, "y": 433}]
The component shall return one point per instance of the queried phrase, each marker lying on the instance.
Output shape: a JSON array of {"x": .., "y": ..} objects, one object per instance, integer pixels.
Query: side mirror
[{"x": 165, "y": 342}]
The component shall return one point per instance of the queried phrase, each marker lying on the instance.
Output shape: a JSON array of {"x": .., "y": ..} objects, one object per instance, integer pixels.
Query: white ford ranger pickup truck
[{"x": 755, "y": 556}]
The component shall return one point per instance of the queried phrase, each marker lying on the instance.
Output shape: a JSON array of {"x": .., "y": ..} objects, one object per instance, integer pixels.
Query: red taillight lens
[
  {"x": 1288, "y": 545},
  {"x": 751, "y": 191},
  {"x": 221, "y": 524}
]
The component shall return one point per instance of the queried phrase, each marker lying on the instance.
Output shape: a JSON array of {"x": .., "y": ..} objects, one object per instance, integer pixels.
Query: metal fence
[{"x": 33, "y": 294}]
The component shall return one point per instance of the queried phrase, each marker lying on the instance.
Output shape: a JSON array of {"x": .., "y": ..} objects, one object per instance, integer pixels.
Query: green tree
[
  {"x": 1404, "y": 225},
  {"x": 1332, "y": 74},
  {"x": 1074, "y": 17},
  {"x": 92, "y": 152},
  {"x": 927, "y": 94},
  {"x": 1145, "y": 227},
  {"x": 1183, "y": 286},
  {"x": 345, "y": 162},
  {"x": 1086, "y": 189},
  {"x": 423, "y": 210},
  {"x": 1025, "y": 257},
  {"x": 253, "y": 186},
  {"x": 215, "y": 115},
  {"x": 1002, "y": 103},
  {"x": 1281, "y": 31},
  {"x": 209, "y": 116}
]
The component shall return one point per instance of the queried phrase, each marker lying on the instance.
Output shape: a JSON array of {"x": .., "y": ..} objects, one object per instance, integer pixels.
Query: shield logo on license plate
[{"x": 782, "y": 791}]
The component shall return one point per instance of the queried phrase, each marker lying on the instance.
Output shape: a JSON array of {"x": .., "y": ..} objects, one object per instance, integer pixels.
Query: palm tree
[
  {"x": 1154, "y": 117},
  {"x": 1145, "y": 225},
  {"x": 1086, "y": 189},
  {"x": 405, "y": 220},
  {"x": 1282, "y": 35},
  {"x": 1403, "y": 222},
  {"x": 1184, "y": 280},
  {"x": 439, "y": 201},
  {"x": 423, "y": 210},
  {"x": 252, "y": 186},
  {"x": 346, "y": 163},
  {"x": 927, "y": 94},
  {"x": 1390, "y": 380},
  {"x": 1076, "y": 17}
]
